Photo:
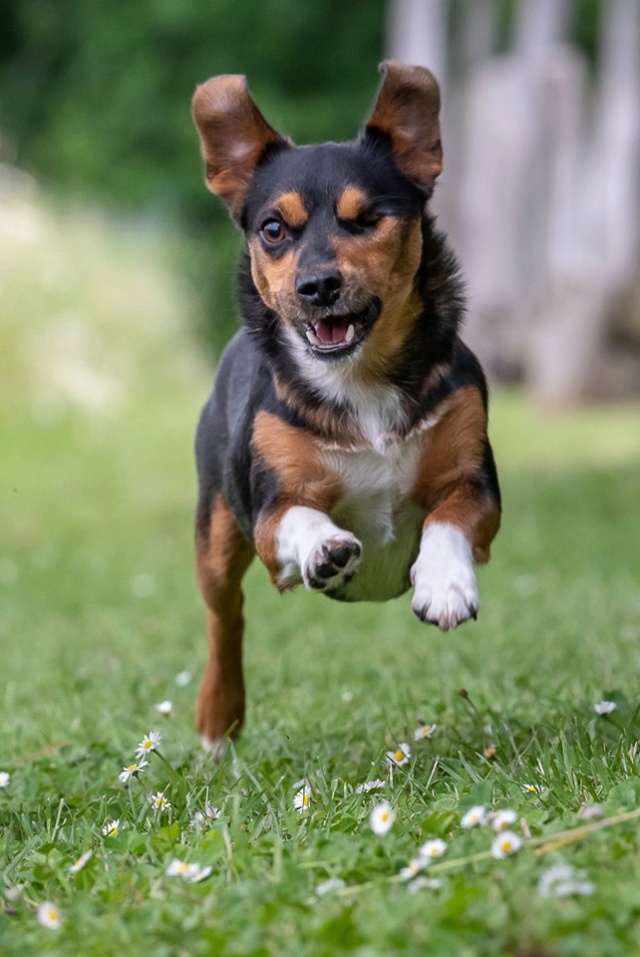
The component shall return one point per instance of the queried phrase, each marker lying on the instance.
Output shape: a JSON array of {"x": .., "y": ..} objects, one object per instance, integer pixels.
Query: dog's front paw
[
  {"x": 332, "y": 563},
  {"x": 445, "y": 587}
]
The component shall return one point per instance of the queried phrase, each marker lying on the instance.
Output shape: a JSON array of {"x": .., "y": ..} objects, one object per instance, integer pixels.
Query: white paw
[
  {"x": 311, "y": 547},
  {"x": 445, "y": 587},
  {"x": 332, "y": 563}
]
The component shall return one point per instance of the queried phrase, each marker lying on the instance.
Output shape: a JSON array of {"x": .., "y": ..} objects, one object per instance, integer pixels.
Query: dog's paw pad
[{"x": 333, "y": 563}]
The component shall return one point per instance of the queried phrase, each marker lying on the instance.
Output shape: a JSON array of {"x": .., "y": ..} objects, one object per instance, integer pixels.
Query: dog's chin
[{"x": 337, "y": 336}]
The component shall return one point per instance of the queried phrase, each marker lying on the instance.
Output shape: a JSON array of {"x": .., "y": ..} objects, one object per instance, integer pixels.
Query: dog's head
[{"x": 334, "y": 230}]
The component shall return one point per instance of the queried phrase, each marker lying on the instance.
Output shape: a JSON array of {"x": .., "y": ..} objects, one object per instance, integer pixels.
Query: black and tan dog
[{"x": 346, "y": 439}]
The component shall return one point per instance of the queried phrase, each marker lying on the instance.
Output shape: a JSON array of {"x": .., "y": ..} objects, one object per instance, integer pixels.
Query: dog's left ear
[
  {"x": 233, "y": 135},
  {"x": 407, "y": 111}
]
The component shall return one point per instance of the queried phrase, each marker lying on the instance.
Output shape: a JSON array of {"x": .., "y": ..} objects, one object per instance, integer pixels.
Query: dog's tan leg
[{"x": 223, "y": 556}]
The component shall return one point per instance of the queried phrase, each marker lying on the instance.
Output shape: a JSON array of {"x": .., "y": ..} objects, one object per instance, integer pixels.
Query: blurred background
[{"x": 540, "y": 194}]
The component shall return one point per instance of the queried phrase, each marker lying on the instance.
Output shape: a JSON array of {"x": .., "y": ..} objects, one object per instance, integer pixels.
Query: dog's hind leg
[{"x": 223, "y": 555}]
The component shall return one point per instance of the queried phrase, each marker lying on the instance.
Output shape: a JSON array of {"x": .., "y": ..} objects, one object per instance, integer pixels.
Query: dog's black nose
[{"x": 320, "y": 288}]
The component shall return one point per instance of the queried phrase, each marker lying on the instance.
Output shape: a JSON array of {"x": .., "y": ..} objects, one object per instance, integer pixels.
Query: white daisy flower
[
  {"x": 502, "y": 819},
  {"x": 111, "y": 828},
  {"x": 421, "y": 882},
  {"x": 413, "y": 868},
  {"x": 5, "y": 779},
  {"x": 178, "y": 868},
  {"x": 591, "y": 811},
  {"x": 369, "y": 786},
  {"x": 560, "y": 881},
  {"x": 149, "y": 743},
  {"x": 13, "y": 893},
  {"x": 164, "y": 707},
  {"x": 433, "y": 849},
  {"x": 382, "y": 818},
  {"x": 302, "y": 799},
  {"x": 533, "y": 788},
  {"x": 81, "y": 862},
  {"x": 210, "y": 813},
  {"x": 605, "y": 707},
  {"x": 329, "y": 886},
  {"x": 399, "y": 757},
  {"x": 183, "y": 678},
  {"x": 131, "y": 770},
  {"x": 159, "y": 802},
  {"x": 507, "y": 842},
  {"x": 424, "y": 731},
  {"x": 49, "y": 915},
  {"x": 475, "y": 817},
  {"x": 192, "y": 873}
]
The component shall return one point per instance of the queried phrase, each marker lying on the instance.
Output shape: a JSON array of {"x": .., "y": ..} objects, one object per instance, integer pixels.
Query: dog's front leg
[
  {"x": 299, "y": 543},
  {"x": 445, "y": 587},
  {"x": 461, "y": 528}
]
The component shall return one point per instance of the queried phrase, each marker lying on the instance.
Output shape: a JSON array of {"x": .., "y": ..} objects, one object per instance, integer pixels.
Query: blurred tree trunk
[{"x": 417, "y": 34}]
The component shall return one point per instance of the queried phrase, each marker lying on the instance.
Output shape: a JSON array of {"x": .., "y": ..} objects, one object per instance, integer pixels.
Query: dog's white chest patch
[{"x": 376, "y": 506}]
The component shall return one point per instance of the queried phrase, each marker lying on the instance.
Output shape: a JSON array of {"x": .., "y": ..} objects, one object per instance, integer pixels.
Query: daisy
[
  {"x": 210, "y": 812},
  {"x": 49, "y": 915},
  {"x": 369, "y": 786},
  {"x": 433, "y": 849},
  {"x": 533, "y": 788},
  {"x": 131, "y": 770},
  {"x": 414, "y": 867},
  {"x": 382, "y": 818},
  {"x": 148, "y": 743},
  {"x": 164, "y": 707},
  {"x": 421, "y": 882},
  {"x": 111, "y": 828},
  {"x": 183, "y": 678},
  {"x": 505, "y": 843},
  {"x": 5, "y": 779},
  {"x": 327, "y": 887},
  {"x": 560, "y": 881},
  {"x": 605, "y": 707},
  {"x": 502, "y": 819},
  {"x": 400, "y": 756},
  {"x": 81, "y": 862},
  {"x": 159, "y": 802},
  {"x": 475, "y": 817},
  {"x": 181, "y": 869},
  {"x": 424, "y": 731},
  {"x": 14, "y": 892},
  {"x": 192, "y": 873},
  {"x": 302, "y": 799}
]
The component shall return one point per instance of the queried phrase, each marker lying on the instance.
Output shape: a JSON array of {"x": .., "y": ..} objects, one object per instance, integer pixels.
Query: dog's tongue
[{"x": 330, "y": 331}]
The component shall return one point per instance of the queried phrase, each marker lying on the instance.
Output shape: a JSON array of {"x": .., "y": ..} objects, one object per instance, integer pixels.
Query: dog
[{"x": 345, "y": 441}]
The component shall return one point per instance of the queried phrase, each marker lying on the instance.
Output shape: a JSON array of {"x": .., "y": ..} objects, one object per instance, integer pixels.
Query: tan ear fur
[
  {"x": 407, "y": 110},
  {"x": 233, "y": 136}
]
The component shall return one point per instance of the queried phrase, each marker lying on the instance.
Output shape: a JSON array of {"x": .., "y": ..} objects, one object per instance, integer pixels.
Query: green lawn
[{"x": 100, "y": 385}]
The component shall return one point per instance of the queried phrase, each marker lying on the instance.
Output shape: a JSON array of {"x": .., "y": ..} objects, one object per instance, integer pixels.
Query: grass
[{"x": 100, "y": 386}]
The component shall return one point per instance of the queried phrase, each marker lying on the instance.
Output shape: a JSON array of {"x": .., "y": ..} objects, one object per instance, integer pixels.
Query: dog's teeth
[
  {"x": 350, "y": 333},
  {"x": 312, "y": 337}
]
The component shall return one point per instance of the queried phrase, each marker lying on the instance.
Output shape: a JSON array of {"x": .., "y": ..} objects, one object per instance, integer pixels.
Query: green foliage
[
  {"x": 100, "y": 613},
  {"x": 96, "y": 99}
]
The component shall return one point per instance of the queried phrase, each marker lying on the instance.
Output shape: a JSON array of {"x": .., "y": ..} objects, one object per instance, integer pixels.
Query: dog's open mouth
[{"x": 332, "y": 335}]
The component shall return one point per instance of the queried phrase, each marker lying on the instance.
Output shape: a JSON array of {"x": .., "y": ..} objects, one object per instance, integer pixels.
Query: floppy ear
[
  {"x": 233, "y": 136},
  {"x": 407, "y": 111}
]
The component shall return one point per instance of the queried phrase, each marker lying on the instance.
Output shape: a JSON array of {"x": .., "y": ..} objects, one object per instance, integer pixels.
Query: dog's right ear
[{"x": 233, "y": 136}]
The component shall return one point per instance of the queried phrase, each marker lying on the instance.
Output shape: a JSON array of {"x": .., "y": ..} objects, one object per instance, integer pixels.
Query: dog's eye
[
  {"x": 273, "y": 231},
  {"x": 364, "y": 222}
]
